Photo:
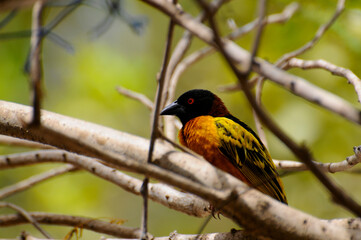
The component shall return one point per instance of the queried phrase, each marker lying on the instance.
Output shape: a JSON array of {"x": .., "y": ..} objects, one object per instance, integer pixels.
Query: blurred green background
[{"x": 82, "y": 85}]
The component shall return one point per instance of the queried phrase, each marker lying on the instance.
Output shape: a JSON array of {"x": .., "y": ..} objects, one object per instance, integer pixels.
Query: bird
[{"x": 226, "y": 142}]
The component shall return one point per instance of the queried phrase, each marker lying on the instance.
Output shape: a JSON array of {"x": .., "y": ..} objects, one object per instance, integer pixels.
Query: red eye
[{"x": 190, "y": 101}]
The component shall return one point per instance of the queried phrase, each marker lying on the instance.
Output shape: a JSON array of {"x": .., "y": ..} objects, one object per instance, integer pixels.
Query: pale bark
[{"x": 245, "y": 206}]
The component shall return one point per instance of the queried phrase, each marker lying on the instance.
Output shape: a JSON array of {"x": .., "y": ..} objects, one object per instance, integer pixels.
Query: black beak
[{"x": 172, "y": 109}]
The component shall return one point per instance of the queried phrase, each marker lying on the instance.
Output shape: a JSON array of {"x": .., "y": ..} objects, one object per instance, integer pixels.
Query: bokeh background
[{"x": 82, "y": 85}]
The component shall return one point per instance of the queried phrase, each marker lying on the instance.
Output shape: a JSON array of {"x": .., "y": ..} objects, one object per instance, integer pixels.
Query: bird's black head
[{"x": 195, "y": 103}]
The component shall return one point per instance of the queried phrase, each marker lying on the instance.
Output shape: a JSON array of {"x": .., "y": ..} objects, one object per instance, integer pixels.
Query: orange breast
[{"x": 200, "y": 135}]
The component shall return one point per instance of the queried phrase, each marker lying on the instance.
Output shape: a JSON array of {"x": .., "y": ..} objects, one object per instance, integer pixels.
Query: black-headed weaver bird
[{"x": 226, "y": 142}]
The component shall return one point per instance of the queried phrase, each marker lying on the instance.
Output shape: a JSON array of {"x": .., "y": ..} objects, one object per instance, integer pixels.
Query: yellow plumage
[{"x": 250, "y": 156}]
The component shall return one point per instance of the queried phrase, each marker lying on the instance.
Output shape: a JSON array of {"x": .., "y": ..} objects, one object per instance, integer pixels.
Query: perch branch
[{"x": 188, "y": 173}]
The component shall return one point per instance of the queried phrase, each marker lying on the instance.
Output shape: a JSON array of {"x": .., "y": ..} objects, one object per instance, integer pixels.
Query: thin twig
[
  {"x": 155, "y": 134},
  {"x": 283, "y": 60},
  {"x": 27, "y": 183},
  {"x": 27, "y": 216},
  {"x": 256, "y": 44},
  {"x": 335, "y": 70},
  {"x": 46, "y": 31},
  {"x": 334, "y": 167},
  {"x": 17, "y": 142},
  {"x": 257, "y": 39},
  {"x": 136, "y": 96},
  {"x": 35, "y": 60},
  {"x": 320, "y": 32},
  {"x": 180, "y": 147},
  {"x": 8, "y": 18},
  {"x": 259, "y": 127},
  {"x": 282, "y": 17}
]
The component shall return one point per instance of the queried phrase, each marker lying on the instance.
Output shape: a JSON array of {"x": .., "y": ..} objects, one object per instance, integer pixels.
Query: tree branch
[{"x": 245, "y": 206}]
